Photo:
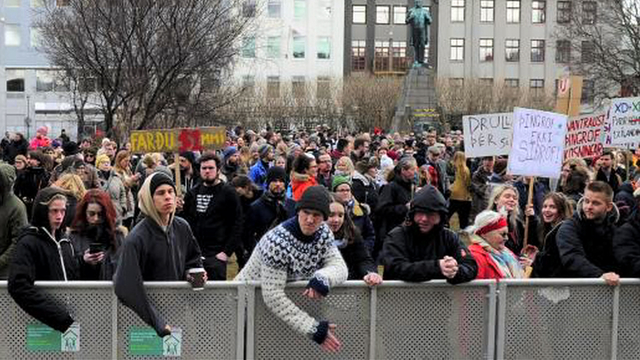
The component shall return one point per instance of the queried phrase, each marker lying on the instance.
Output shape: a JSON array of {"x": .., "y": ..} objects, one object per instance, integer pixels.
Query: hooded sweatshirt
[
  {"x": 13, "y": 217},
  {"x": 154, "y": 252},
  {"x": 41, "y": 256}
]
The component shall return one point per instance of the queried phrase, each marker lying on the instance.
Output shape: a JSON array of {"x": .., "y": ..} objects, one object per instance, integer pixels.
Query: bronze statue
[{"x": 419, "y": 20}]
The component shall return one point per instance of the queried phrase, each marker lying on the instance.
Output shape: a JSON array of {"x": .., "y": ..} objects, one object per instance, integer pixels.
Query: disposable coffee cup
[{"x": 197, "y": 278}]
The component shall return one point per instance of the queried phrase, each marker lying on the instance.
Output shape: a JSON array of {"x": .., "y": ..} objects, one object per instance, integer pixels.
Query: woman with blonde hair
[
  {"x": 74, "y": 190},
  {"x": 344, "y": 166},
  {"x": 487, "y": 237},
  {"x": 460, "y": 200},
  {"x": 504, "y": 200},
  {"x": 122, "y": 169}
]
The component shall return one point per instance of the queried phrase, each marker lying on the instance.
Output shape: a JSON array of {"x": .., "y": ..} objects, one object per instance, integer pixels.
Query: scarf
[{"x": 505, "y": 260}]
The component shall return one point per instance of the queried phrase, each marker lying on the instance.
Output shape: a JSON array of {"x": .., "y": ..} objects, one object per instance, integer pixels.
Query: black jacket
[
  {"x": 220, "y": 227},
  {"x": 14, "y": 149},
  {"x": 365, "y": 190},
  {"x": 358, "y": 260},
  {"x": 625, "y": 201},
  {"x": 547, "y": 263},
  {"x": 151, "y": 254},
  {"x": 392, "y": 207},
  {"x": 586, "y": 248},
  {"x": 516, "y": 236},
  {"x": 38, "y": 256},
  {"x": 614, "y": 180},
  {"x": 265, "y": 214},
  {"x": 626, "y": 247},
  {"x": 29, "y": 182},
  {"x": 107, "y": 268}
]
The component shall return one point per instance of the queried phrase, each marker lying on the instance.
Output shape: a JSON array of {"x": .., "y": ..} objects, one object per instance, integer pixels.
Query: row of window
[
  {"x": 487, "y": 12},
  {"x": 13, "y": 35},
  {"x": 274, "y": 9},
  {"x": 298, "y": 86},
  {"x": 299, "y": 47},
  {"x": 536, "y": 85},
  {"x": 33, "y": 3},
  {"x": 512, "y": 50}
]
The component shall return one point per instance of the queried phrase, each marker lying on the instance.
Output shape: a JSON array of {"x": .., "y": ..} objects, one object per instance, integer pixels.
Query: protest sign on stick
[
  {"x": 622, "y": 128},
  {"x": 584, "y": 136},
  {"x": 177, "y": 140},
  {"x": 538, "y": 143},
  {"x": 487, "y": 134}
]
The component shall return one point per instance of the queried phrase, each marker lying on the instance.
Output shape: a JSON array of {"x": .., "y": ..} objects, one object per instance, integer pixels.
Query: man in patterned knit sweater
[{"x": 301, "y": 248}]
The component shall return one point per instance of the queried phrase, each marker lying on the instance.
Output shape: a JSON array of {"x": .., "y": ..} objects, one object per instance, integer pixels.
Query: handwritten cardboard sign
[
  {"x": 584, "y": 136},
  {"x": 487, "y": 134},
  {"x": 176, "y": 140},
  {"x": 622, "y": 128},
  {"x": 538, "y": 143}
]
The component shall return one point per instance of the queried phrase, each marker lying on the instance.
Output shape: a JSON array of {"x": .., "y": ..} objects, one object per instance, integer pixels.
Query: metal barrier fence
[{"x": 513, "y": 319}]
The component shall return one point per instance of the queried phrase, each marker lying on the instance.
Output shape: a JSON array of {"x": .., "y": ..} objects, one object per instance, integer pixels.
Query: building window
[
  {"x": 324, "y": 47},
  {"x": 274, "y": 8},
  {"x": 537, "y": 50},
  {"x": 486, "y": 11},
  {"x": 486, "y": 82},
  {"x": 512, "y": 83},
  {"x": 323, "y": 90},
  {"x": 36, "y": 37},
  {"x": 513, "y": 12},
  {"x": 588, "y": 91},
  {"x": 44, "y": 80},
  {"x": 538, "y": 9},
  {"x": 299, "y": 47},
  {"x": 12, "y": 35},
  {"x": 457, "y": 49},
  {"x": 358, "y": 59},
  {"x": 248, "y": 85},
  {"x": 273, "y": 47},
  {"x": 12, "y": 3},
  {"x": 273, "y": 87},
  {"x": 563, "y": 51},
  {"x": 249, "y": 8},
  {"x": 486, "y": 50},
  {"x": 359, "y": 14},
  {"x": 587, "y": 51},
  {"x": 15, "y": 80},
  {"x": 298, "y": 87},
  {"x": 299, "y": 9},
  {"x": 564, "y": 12},
  {"x": 457, "y": 10},
  {"x": 399, "y": 53},
  {"x": 382, "y": 14},
  {"x": 382, "y": 52},
  {"x": 512, "y": 50},
  {"x": 589, "y": 12},
  {"x": 249, "y": 47},
  {"x": 537, "y": 86},
  {"x": 399, "y": 14}
]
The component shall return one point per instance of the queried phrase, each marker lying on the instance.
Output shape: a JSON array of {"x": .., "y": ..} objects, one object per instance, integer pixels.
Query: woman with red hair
[{"x": 96, "y": 237}]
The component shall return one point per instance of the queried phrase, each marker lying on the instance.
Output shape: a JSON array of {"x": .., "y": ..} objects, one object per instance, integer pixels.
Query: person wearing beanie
[
  {"x": 161, "y": 247},
  {"x": 258, "y": 171},
  {"x": 232, "y": 165},
  {"x": 189, "y": 174},
  {"x": 13, "y": 217},
  {"x": 40, "y": 140},
  {"x": 301, "y": 248},
  {"x": 357, "y": 212},
  {"x": 422, "y": 249},
  {"x": 214, "y": 211},
  {"x": 42, "y": 254}
]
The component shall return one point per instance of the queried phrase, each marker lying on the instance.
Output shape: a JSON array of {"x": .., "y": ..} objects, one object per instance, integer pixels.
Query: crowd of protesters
[{"x": 316, "y": 206}]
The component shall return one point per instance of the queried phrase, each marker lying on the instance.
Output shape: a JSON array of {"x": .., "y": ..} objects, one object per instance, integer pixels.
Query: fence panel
[
  {"x": 347, "y": 307},
  {"x": 208, "y": 319},
  {"x": 90, "y": 305},
  {"x": 555, "y": 319},
  {"x": 628, "y": 345},
  {"x": 435, "y": 321}
]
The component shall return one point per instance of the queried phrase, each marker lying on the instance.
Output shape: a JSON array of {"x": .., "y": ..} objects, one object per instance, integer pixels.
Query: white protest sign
[
  {"x": 623, "y": 123},
  {"x": 487, "y": 134},
  {"x": 538, "y": 143},
  {"x": 584, "y": 136}
]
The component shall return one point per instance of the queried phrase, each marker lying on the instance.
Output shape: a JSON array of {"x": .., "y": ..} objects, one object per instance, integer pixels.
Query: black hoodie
[
  {"x": 40, "y": 256},
  {"x": 410, "y": 255}
]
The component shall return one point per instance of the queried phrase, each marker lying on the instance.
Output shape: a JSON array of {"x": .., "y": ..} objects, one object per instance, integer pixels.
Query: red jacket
[{"x": 487, "y": 268}]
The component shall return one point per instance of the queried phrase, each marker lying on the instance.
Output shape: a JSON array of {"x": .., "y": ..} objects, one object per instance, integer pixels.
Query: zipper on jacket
[{"x": 64, "y": 271}]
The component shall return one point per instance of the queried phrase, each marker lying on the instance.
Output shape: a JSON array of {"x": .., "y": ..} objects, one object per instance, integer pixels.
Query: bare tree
[
  {"x": 149, "y": 59},
  {"x": 604, "y": 42},
  {"x": 370, "y": 101}
]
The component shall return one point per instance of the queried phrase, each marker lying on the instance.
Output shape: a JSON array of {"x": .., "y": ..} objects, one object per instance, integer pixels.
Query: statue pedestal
[{"x": 418, "y": 102}]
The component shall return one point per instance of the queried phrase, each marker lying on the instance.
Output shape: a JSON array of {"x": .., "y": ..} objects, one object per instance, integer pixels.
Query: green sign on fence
[
  {"x": 143, "y": 341},
  {"x": 40, "y": 337}
]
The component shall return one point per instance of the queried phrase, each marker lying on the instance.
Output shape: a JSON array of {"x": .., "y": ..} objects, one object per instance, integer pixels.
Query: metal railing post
[
  {"x": 500, "y": 319},
  {"x": 250, "y": 293},
  {"x": 373, "y": 310},
  {"x": 492, "y": 321},
  {"x": 114, "y": 326},
  {"x": 615, "y": 322}
]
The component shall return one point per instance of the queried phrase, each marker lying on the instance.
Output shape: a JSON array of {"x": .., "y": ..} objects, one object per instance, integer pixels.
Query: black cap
[
  {"x": 160, "y": 178},
  {"x": 275, "y": 173},
  {"x": 315, "y": 198},
  {"x": 70, "y": 148}
]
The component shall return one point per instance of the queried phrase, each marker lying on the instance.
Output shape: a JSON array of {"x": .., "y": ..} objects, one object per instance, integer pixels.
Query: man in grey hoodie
[
  {"x": 159, "y": 248},
  {"x": 13, "y": 217}
]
